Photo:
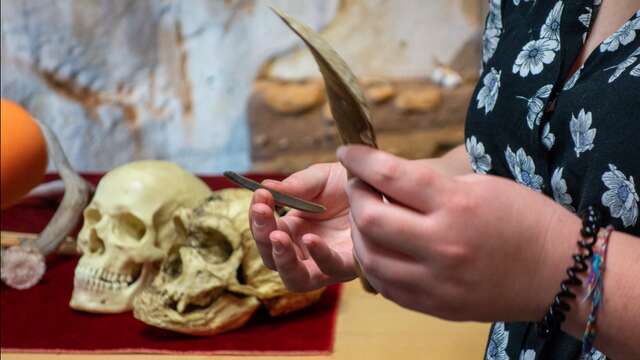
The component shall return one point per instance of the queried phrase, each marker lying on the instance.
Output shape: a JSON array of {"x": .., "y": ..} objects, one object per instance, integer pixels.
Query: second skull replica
[
  {"x": 128, "y": 229},
  {"x": 214, "y": 280}
]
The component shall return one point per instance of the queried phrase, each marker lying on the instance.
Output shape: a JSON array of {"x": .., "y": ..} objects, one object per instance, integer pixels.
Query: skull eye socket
[
  {"x": 216, "y": 244},
  {"x": 92, "y": 216},
  {"x": 129, "y": 226}
]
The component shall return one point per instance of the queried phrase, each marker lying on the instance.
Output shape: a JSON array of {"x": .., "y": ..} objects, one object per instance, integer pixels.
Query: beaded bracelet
[
  {"x": 556, "y": 314},
  {"x": 595, "y": 290}
]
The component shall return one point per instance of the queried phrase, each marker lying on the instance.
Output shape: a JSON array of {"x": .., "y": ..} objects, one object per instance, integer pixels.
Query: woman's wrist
[
  {"x": 618, "y": 318},
  {"x": 620, "y": 294},
  {"x": 559, "y": 244}
]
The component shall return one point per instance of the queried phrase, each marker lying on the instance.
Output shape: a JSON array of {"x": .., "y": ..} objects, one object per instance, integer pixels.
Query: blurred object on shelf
[
  {"x": 291, "y": 98},
  {"x": 446, "y": 77},
  {"x": 379, "y": 90},
  {"x": 23, "y": 153},
  {"x": 419, "y": 100}
]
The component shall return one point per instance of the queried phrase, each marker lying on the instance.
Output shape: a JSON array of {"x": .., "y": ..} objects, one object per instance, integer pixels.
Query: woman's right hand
[
  {"x": 314, "y": 250},
  {"x": 308, "y": 250}
]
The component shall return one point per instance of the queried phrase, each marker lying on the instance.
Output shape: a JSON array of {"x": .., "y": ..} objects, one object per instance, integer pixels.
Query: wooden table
[{"x": 369, "y": 327}]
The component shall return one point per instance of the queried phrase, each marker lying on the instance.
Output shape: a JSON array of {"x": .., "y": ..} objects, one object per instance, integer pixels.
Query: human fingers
[
  {"x": 385, "y": 269},
  {"x": 407, "y": 182},
  {"x": 321, "y": 183},
  {"x": 294, "y": 272},
  {"x": 387, "y": 225},
  {"x": 335, "y": 264},
  {"x": 307, "y": 183},
  {"x": 263, "y": 222},
  {"x": 387, "y": 276}
]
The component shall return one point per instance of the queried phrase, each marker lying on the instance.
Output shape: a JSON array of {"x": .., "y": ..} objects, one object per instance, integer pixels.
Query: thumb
[{"x": 306, "y": 184}]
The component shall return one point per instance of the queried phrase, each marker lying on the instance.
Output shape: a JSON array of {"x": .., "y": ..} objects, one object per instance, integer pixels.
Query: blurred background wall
[{"x": 202, "y": 82}]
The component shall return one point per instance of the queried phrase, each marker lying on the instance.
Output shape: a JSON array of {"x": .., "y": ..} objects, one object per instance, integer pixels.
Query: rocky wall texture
[
  {"x": 392, "y": 38},
  {"x": 137, "y": 79}
]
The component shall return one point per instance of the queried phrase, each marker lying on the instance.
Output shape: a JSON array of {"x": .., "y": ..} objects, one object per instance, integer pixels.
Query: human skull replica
[
  {"x": 215, "y": 280},
  {"x": 128, "y": 229}
]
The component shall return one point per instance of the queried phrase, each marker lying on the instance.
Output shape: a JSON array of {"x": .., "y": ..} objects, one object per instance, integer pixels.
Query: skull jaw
[
  {"x": 291, "y": 302},
  {"x": 277, "y": 300},
  {"x": 226, "y": 313},
  {"x": 94, "y": 298}
]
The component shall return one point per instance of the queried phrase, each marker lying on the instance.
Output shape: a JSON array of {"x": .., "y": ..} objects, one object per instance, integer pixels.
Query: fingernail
[
  {"x": 257, "y": 221},
  {"x": 341, "y": 151},
  {"x": 277, "y": 247}
]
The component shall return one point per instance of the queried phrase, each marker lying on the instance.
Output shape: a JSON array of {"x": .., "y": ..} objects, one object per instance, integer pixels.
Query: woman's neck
[{"x": 611, "y": 16}]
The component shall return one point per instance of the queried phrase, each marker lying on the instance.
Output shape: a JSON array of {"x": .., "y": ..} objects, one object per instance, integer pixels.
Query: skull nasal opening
[
  {"x": 173, "y": 263},
  {"x": 96, "y": 244}
]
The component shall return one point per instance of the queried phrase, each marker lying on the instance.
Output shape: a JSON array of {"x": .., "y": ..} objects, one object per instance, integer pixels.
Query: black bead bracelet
[{"x": 556, "y": 315}]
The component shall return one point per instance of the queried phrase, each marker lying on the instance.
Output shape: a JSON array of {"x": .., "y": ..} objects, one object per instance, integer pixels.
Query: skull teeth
[
  {"x": 97, "y": 279},
  {"x": 182, "y": 305}
]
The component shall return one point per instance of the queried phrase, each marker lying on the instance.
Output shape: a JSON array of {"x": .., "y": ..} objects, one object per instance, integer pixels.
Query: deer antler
[
  {"x": 77, "y": 193},
  {"x": 24, "y": 265}
]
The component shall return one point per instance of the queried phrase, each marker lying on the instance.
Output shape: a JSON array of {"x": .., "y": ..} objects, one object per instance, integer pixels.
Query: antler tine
[{"x": 76, "y": 197}]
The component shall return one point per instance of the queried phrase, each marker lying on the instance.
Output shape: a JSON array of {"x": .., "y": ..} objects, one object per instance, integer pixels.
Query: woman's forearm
[{"x": 619, "y": 316}]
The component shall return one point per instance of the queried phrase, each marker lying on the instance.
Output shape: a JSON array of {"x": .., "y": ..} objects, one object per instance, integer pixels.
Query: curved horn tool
[
  {"x": 76, "y": 196},
  {"x": 348, "y": 104},
  {"x": 22, "y": 266}
]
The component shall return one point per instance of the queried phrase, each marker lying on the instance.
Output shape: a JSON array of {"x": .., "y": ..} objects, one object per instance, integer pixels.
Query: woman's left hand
[{"x": 472, "y": 247}]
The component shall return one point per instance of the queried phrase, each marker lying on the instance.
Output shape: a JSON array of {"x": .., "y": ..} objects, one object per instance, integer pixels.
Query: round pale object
[
  {"x": 419, "y": 100},
  {"x": 291, "y": 98},
  {"x": 22, "y": 267},
  {"x": 23, "y": 155},
  {"x": 380, "y": 93}
]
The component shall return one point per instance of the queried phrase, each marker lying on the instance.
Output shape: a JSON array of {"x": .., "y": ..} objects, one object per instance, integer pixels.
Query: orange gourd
[{"x": 23, "y": 153}]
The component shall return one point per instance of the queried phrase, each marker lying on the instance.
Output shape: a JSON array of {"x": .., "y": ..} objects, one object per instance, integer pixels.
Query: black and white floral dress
[{"x": 576, "y": 140}]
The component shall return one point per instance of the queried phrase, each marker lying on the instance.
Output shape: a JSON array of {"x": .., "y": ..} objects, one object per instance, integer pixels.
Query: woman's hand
[
  {"x": 308, "y": 250},
  {"x": 471, "y": 247}
]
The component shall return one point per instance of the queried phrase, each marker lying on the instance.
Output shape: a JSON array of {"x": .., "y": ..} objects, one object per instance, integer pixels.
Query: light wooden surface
[{"x": 369, "y": 327}]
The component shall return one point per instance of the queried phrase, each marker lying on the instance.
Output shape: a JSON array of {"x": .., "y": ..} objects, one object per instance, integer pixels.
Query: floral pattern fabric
[{"x": 572, "y": 136}]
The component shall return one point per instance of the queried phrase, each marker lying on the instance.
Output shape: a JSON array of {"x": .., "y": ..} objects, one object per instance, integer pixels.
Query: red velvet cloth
[{"x": 40, "y": 320}]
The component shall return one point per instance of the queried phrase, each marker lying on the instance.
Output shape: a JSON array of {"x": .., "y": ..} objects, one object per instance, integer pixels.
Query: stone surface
[
  {"x": 136, "y": 79},
  {"x": 397, "y": 38}
]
